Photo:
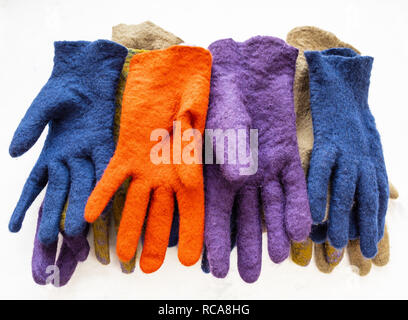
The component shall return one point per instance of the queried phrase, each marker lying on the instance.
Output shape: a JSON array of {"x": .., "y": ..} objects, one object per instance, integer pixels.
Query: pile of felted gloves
[{"x": 206, "y": 149}]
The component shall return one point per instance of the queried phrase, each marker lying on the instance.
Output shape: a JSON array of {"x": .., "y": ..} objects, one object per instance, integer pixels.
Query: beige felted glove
[
  {"x": 326, "y": 256},
  {"x": 146, "y": 36}
]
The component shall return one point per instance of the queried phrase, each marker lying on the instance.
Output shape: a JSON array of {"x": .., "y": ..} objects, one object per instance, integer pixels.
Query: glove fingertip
[
  {"x": 250, "y": 277},
  {"x": 82, "y": 255},
  {"x": 46, "y": 236},
  {"x": 14, "y": 226},
  {"x": 14, "y": 151},
  {"x": 125, "y": 252},
  {"x": 90, "y": 216},
  {"x": 188, "y": 259},
  {"x": 369, "y": 251},
  {"x": 220, "y": 271},
  {"x": 74, "y": 227},
  {"x": 20, "y": 144}
]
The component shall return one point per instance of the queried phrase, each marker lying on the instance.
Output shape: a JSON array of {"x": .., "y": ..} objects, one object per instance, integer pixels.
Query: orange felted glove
[{"x": 163, "y": 86}]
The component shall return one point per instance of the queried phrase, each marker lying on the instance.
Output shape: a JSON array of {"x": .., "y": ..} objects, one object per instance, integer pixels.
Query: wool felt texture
[
  {"x": 149, "y": 35},
  {"x": 347, "y": 149},
  {"x": 78, "y": 104},
  {"x": 145, "y": 35},
  {"x": 326, "y": 257},
  {"x": 73, "y": 250},
  {"x": 205, "y": 266},
  {"x": 252, "y": 88},
  {"x": 162, "y": 86},
  {"x": 45, "y": 257},
  {"x": 312, "y": 38},
  {"x": 364, "y": 265},
  {"x": 120, "y": 196}
]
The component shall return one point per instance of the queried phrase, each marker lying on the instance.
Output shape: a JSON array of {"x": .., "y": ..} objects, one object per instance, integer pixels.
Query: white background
[{"x": 27, "y": 32}]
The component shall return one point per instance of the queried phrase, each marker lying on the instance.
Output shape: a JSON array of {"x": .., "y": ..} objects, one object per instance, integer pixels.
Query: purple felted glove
[
  {"x": 252, "y": 88},
  {"x": 44, "y": 267}
]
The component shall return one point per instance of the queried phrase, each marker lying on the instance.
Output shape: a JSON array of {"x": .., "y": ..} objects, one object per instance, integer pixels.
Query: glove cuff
[
  {"x": 269, "y": 51},
  {"x": 341, "y": 64},
  {"x": 84, "y": 54}
]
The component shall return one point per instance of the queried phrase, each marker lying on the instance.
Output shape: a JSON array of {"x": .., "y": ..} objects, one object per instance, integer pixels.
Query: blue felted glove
[
  {"x": 78, "y": 102},
  {"x": 347, "y": 151}
]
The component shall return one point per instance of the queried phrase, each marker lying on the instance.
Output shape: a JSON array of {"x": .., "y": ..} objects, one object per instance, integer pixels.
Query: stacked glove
[
  {"x": 346, "y": 146},
  {"x": 251, "y": 87},
  {"x": 78, "y": 248},
  {"x": 327, "y": 257},
  {"x": 180, "y": 77},
  {"x": 78, "y": 103},
  {"x": 96, "y": 101}
]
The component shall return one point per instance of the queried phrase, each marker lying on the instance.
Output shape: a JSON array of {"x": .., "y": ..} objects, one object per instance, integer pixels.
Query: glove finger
[
  {"x": 383, "y": 255},
  {"x": 320, "y": 258},
  {"x": 54, "y": 201},
  {"x": 156, "y": 237},
  {"x": 111, "y": 180},
  {"x": 133, "y": 216},
  {"x": 100, "y": 229},
  {"x": 342, "y": 195},
  {"x": 367, "y": 209},
  {"x": 128, "y": 267},
  {"x": 297, "y": 212},
  {"x": 356, "y": 258},
  {"x": 383, "y": 190},
  {"x": 78, "y": 245},
  {"x": 273, "y": 203},
  {"x": 73, "y": 250},
  {"x": 118, "y": 204},
  {"x": 82, "y": 181},
  {"x": 43, "y": 256},
  {"x": 191, "y": 233},
  {"x": 205, "y": 266},
  {"x": 66, "y": 264},
  {"x": 67, "y": 261},
  {"x": 33, "y": 122},
  {"x": 320, "y": 170},
  {"x": 102, "y": 156},
  {"x": 301, "y": 252},
  {"x": 249, "y": 235},
  {"x": 333, "y": 256},
  {"x": 36, "y": 181},
  {"x": 219, "y": 199}
]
